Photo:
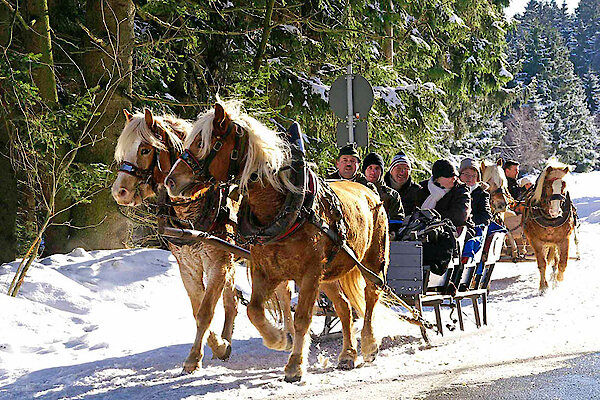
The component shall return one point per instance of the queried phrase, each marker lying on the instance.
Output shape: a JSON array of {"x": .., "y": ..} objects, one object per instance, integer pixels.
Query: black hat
[
  {"x": 370, "y": 159},
  {"x": 443, "y": 168},
  {"x": 349, "y": 150}
]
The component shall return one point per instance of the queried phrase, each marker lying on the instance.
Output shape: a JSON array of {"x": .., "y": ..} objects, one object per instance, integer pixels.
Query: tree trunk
[
  {"x": 388, "y": 42},
  {"x": 40, "y": 42},
  {"x": 107, "y": 64},
  {"x": 8, "y": 183}
]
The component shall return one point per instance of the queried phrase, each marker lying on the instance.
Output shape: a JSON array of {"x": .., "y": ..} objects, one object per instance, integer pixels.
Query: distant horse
[
  {"x": 309, "y": 255},
  {"x": 548, "y": 220},
  {"x": 146, "y": 149},
  {"x": 501, "y": 202}
]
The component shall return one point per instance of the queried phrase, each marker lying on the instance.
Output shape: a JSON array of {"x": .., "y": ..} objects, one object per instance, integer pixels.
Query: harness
[
  {"x": 537, "y": 214},
  {"x": 200, "y": 168}
]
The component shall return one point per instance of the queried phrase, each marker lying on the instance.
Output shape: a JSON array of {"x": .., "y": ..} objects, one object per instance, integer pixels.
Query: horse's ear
[
  {"x": 128, "y": 116},
  {"x": 149, "y": 118},
  {"x": 566, "y": 169},
  {"x": 221, "y": 119},
  {"x": 499, "y": 161},
  {"x": 483, "y": 166}
]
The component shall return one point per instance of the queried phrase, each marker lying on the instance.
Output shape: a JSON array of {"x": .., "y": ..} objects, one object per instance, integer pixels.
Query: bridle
[
  {"x": 201, "y": 168},
  {"x": 145, "y": 175}
]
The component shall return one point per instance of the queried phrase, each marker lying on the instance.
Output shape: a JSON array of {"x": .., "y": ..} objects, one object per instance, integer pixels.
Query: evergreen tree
[{"x": 557, "y": 95}]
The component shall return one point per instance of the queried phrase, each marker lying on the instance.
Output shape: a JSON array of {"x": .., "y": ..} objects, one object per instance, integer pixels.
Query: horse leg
[
  {"x": 540, "y": 255},
  {"x": 576, "y": 239},
  {"x": 348, "y": 355},
  {"x": 563, "y": 248},
  {"x": 309, "y": 289},
  {"x": 262, "y": 289},
  {"x": 216, "y": 271},
  {"x": 369, "y": 345},
  {"x": 230, "y": 305},
  {"x": 283, "y": 293}
]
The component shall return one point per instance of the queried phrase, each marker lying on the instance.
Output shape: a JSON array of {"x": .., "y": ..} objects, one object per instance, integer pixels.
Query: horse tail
[{"x": 353, "y": 286}]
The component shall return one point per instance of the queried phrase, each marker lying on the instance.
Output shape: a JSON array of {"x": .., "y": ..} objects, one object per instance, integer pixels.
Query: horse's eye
[{"x": 145, "y": 152}]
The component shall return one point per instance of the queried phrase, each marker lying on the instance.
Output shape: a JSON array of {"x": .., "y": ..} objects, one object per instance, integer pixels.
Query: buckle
[
  {"x": 217, "y": 146},
  {"x": 234, "y": 154}
]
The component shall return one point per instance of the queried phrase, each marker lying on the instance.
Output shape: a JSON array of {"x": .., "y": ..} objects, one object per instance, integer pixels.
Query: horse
[
  {"x": 228, "y": 144},
  {"x": 549, "y": 220},
  {"x": 501, "y": 203},
  {"x": 146, "y": 149}
]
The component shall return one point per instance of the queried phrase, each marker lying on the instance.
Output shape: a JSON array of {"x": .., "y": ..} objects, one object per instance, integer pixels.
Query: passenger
[
  {"x": 347, "y": 165},
  {"x": 511, "y": 170},
  {"x": 526, "y": 183},
  {"x": 372, "y": 167},
  {"x": 398, "y": 178},
  {"x": 481, "y": 213},
  {"x": 446, "y": 194}
]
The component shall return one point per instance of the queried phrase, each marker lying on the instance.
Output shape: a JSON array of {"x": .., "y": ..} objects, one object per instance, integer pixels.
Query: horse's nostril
[{"x": 123, "y": 193}]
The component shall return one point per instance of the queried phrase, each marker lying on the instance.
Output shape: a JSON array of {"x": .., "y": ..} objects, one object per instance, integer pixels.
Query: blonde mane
[
  {"x": 493, "y": 173},
  {"x": 267, "y": 153},
  {"x": 554, "y": 169},
  {"x": 136, "y": 130}
]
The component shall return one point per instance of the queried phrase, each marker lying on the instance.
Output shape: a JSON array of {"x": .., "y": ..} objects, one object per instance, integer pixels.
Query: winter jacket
[
  {"x": 408, "y": 192},
  {"x": 455, "y": 205},
  {"x": 390, "y": 198},
  {"x": 514, "y": 189},
  {"x": 481, "y": 212}
]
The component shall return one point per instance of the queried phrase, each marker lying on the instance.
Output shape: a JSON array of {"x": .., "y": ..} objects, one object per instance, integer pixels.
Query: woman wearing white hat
[{"x": 469, "y": 173}]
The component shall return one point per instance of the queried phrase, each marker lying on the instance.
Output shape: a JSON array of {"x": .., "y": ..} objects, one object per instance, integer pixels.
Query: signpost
[{"x": 351, "y": 98}]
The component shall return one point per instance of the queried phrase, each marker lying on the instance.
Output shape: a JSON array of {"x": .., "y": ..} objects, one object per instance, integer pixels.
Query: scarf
[{"x": 435, "y": 194}]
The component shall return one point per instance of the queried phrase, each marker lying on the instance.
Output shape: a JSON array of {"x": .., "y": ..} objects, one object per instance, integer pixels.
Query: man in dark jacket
[
  {"x": 511, "y": 170},
  {"x": 372, "y": 167},
  {"x": 469, "y": 173},
  {"x": 347, "y": 165},
  {"x": 446, "y": 194},
  {"x": 398, "y": 178}
]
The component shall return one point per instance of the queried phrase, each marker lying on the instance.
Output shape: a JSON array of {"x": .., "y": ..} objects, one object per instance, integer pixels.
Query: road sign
[
  {"x": 361, "y": 135},
  {"x": 351, "y": 98},
  {"x": 362, "y": 96}
]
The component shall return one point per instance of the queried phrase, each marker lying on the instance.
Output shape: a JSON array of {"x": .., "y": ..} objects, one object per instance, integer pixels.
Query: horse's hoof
[
  {"x": 346, "y": 364},
  {"x": 189, "y": 368},
  {"x": 370, "y": 357},
  {"x": 225, "y": 355},
  {"x": 292, "y": 378}
]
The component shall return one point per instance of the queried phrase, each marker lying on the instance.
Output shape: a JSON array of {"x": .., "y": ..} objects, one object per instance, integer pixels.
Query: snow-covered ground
[{"x": 118, "y": 325}]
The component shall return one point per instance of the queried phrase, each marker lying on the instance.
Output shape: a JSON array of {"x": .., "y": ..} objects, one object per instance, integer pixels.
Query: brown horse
[
  {"x": 549, "y": 220},
  {"x": 145, "y": 149},
  {"x": 225, "y": 135}
]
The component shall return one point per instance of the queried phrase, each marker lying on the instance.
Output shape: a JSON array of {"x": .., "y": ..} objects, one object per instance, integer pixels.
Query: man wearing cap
[
  {"x": 372, "y": 167},
  {"x": 511, "y": 170},
  {"x": 347, "y": 165},
  {"x": 446, "y": 194},
  {"x": 398, "y": 178},
  {"x": 469, "y": 174}
]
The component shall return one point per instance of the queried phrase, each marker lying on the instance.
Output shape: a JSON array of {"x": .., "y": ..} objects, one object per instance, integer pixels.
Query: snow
[{"x": 118, "y": 324}]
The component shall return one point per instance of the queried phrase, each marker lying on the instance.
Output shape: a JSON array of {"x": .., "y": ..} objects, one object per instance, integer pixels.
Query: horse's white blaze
[
  {"x": 555, "y": 210},
  {"x": 124, "y": 180}
]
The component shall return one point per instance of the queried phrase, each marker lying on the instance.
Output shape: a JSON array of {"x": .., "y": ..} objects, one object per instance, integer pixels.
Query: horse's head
[
  {"x": 493, "y": 175},
  {"x": 227, "y": 145},
  {"x": 550, "y": 189},
  {"x": 212, "y": 154},
  {"x": 144, "y": 152}
]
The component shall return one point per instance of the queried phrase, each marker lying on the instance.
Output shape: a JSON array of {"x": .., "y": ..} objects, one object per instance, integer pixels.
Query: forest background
[{"x": 451, "y": 78}]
